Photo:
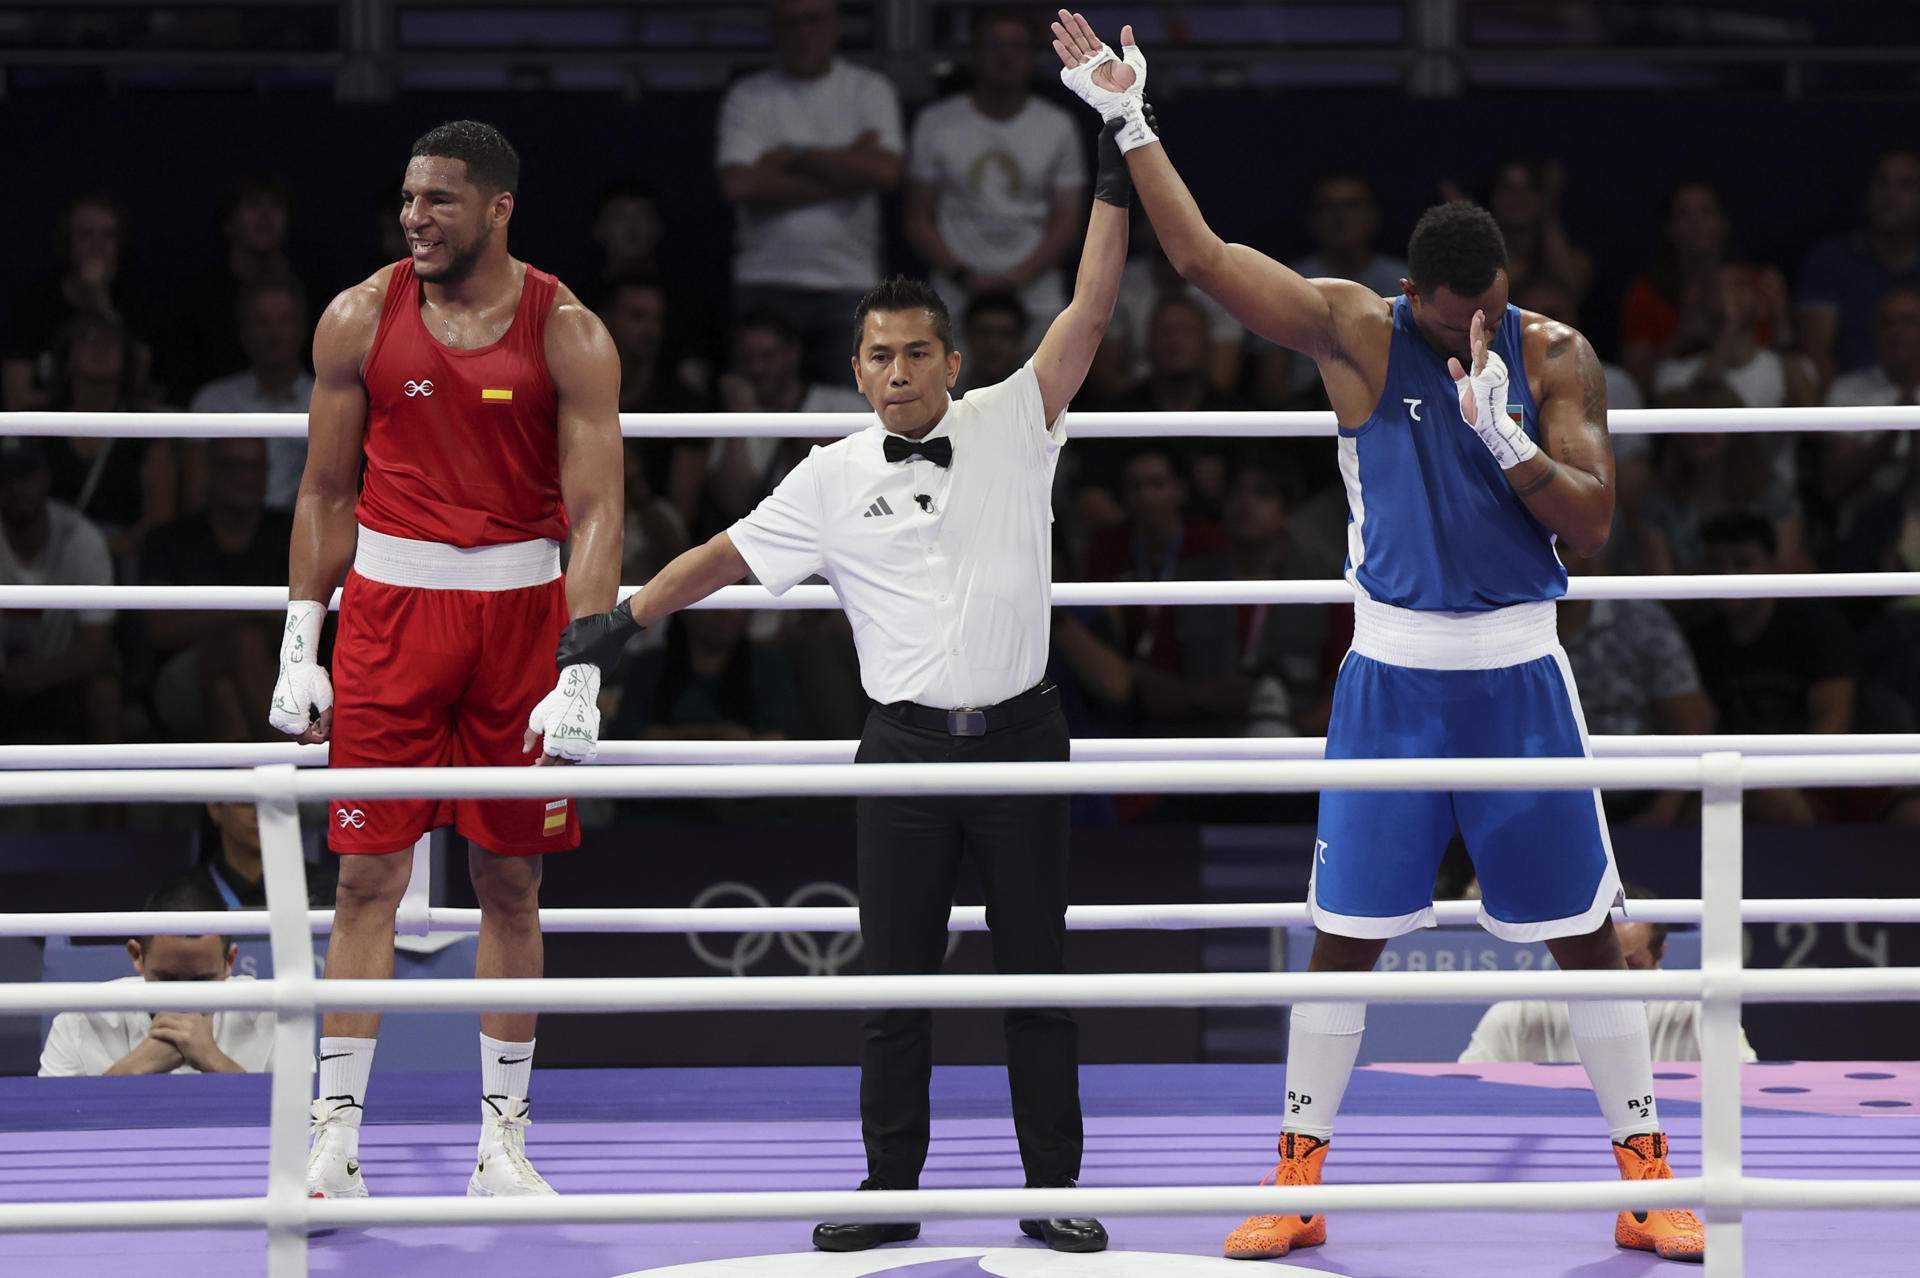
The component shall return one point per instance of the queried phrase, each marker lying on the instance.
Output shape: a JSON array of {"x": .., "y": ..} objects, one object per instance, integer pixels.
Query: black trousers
[{"x": 910, "y": 851}]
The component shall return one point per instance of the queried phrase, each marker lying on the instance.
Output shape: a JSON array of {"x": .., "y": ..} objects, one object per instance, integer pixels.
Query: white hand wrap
[
  {"x": 1502, "y": 435},
  {"x": 303, "y": 681},
  {"x": 569, "y": 716},
  {"x": 1129, "y": 104}
]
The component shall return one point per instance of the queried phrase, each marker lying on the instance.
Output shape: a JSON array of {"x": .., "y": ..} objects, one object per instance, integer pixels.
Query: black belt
[{"x": 1035, "y": 703}]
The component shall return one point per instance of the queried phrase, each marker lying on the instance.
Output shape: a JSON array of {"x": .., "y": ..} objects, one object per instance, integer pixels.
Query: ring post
[
  {"x": 1721, "y": 964},
  {"x": 284, "y": 870}
]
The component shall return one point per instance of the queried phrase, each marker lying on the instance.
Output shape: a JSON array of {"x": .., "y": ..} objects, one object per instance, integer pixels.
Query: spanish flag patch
[
  {"x": 556, "y": 817},
  {"x": 500, "y": 395}
]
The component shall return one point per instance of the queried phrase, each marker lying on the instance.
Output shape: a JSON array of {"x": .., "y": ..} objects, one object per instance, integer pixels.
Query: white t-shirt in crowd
[
  {"x": 834, "y": 244},
  {"x": 1872, "y": 388},
  {"x": 1537, "y": 1030},
  {"x": 242, "y": 393},
  {"x": 82, "y": 1044},
  {"x": 1760, "y": 383},
  {"x": 997, "y": 179},
  {"x": 76, "y": 554},
  {"x": 950, "y": 598}
]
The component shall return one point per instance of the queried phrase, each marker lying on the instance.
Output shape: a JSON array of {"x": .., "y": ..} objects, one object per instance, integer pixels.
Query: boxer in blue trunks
[{"x": 1473, "y": 437}]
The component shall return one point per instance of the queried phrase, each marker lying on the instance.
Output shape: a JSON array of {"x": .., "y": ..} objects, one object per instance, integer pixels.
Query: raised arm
[
  {"x": 1280, "y": 305},
  {"x": 586, "y": 374},
  {"x": 1067, "y": 351}
]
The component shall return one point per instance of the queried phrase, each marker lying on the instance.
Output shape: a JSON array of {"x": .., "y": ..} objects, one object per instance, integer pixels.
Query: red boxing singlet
[{"x": 462, "y": 446}]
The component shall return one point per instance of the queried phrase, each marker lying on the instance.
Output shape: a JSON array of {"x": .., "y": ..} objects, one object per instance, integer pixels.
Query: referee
[{"x": 932, "y": 525}]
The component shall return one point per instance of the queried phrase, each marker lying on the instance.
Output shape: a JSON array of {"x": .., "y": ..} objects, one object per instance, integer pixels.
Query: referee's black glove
[
  {"x": 1112, "y": 184},
  {"x": 597, "y": 640}
]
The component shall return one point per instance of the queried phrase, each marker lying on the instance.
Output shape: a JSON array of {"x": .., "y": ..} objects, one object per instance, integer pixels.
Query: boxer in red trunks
[{"x": 482, "y": 398}]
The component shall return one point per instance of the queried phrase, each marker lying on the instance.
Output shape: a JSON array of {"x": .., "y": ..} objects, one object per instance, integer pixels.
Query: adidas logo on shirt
[{"x": 878, "y": 508}]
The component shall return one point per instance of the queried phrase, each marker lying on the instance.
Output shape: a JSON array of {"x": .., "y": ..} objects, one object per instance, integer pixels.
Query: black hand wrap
[
  {"x": 1112, "y": 184},
  {"x": 597, "y": 640}
]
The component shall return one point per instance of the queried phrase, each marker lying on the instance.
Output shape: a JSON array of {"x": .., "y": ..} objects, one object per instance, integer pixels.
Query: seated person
[
  {"x": 709, "y": 682},
  {"x": 1536, "y": 1029},
  {"x": 109, "y": 1043}
]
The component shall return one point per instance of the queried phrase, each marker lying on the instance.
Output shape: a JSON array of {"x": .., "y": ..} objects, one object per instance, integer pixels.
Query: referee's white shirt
[{"x": 951, "y": 599}]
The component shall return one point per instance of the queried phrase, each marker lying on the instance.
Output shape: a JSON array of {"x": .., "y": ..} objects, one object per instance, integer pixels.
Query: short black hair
[
  {"x": 190, "y": 891},
  {"x": 904, "y": 293},
  {"x": 1739, "y": 528},
  {"x": 768, "y": 320},
  {"x": 1000, "y": 303},
  {"x": 631, "y": 188},
  {"x": 492, "y": 163},
  {"x": 254, "y": 186},
  {"x": 1456, "y": 246}
]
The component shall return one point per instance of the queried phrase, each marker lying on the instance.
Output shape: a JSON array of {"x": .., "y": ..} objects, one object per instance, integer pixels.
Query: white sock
[
  {"x": 506, "y": 1069},
  {"x": 1611, "y": 1035},
  {"x": 1322, "y": 1044},
  {"x": 345, "y": 1064}
]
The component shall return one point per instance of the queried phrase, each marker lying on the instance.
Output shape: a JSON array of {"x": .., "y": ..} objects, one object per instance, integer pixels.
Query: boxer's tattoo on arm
[{"x": 1539, "y": 481}]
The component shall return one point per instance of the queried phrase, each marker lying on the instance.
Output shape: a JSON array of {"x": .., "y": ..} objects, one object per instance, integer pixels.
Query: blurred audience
[
  {"x": 993, "y": 338},
  {"x": 709, "y": 682},
  {"x": 126, "y": 486},
  {"x": 1844, "y": 276},
  {"x": 256, "y": 215},
  {"x": 1636, "y": 676},
  {"x": 1150, "y": 280},
  {"x": 1525, "y": 199},
  {"x": 216, "y": 669},
  {"x": 1343, "y": 217},
  {"x": 1772, "y": 665},
  {"x": 230, "y": 863},
  {"x": 804, "y": 148},
  {"x": 996, "y": 190},
  {"x": 90, "y": 246},
  {"x": 59, "y": 678},
  {"x": 83, "y": 1044},
  {"x": 274, "y": 331},
  {"x": 1663, "y": 317},
  {"x": 1861, "y": 470}
]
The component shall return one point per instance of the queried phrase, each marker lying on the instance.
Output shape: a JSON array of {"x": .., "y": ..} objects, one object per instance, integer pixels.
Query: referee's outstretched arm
[
  {"x": 691, "y": 577},
  {"x": 1066, "y": 352}
]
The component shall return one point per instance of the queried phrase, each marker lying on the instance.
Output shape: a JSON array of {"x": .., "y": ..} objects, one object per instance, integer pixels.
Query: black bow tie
[{"x": 938, "y": 451}]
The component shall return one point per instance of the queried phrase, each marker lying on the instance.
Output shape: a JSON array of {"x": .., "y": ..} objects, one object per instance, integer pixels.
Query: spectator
[
  {"x": 56, "y": 664},
  {"x": 83, "y": 1044},
  {"x": 1155, "y": 544},
  {"x": 1772, "y": 666},
  {"x": 1659, "y": 323},
  {"x": 767, "y": 377},
  {"x": 1545, "y": 295},
  {"x": 91, "y": 246},
  {"x": 272, "y": 320},
  {"x": 1149, "y": 280},
  {"x": 1636, "y": 676},
  {"x": 654, "y": 531},
  {"x": 1343, "y": 217},
  {"x": 635, "y": 310},
  {"x": 1525, "y": 200},
  {"x": 1845, "y": 276},
  {"x": 219, "y": 668},
  {"x": 1536, "y": 1030},
  {"x": 230, "y": 865},
  {"x": 1733, "y": 369},
  {"x": 1252, "y": 669},
  {"x": 995, "y": 331},
  {"x": 1860, "y": 469},
  {"x": 389, "y": 238},
  {"x": 803, "y": 150},
  {"x": 627, "y": 231},
  {"x": 996, "y": 181},
  {"x": 1698, "y": 478},
  {"x": 255, "y": 216},
  {"x": 1176, "y": 381},
  {"x": 126, "y": 486},
  {"x": 709, "y": 682}
]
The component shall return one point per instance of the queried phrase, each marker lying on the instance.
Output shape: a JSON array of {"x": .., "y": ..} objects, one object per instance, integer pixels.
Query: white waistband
[
  {"x": 431, "y": 565},
  {"x": 1492, "y": 640}
]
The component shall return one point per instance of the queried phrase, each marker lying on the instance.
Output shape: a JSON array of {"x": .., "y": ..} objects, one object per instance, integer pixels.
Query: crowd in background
[{"x": 990, "y": 189}]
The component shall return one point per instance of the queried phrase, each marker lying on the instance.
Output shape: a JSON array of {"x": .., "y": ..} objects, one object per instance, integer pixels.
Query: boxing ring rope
[
  {"x": 1081, "y": 425},
  {"x": 1721, "y": 984}
]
